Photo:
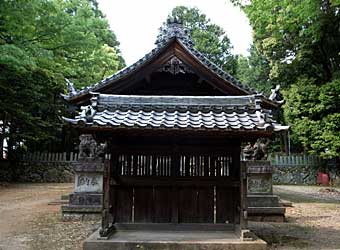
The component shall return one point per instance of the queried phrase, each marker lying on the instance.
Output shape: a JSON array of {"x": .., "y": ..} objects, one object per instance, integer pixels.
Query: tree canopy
[
  {"x": 254, "y": 71},
  {"x": 209, "y": 38},
  {"x": 41, "y": 44},
  {"x": 300, "y": 41}
]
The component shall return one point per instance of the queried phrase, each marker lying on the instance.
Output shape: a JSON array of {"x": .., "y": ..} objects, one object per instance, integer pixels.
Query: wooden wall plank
[
  {"x": 205, "y": 205},
  {"x": 144, "y": 204},
  {"x": 188, "y": 205},
  {"x": 163, "y": 198},
  {"x": 123, "y": 204},
  {"x": 224, "y": 205}
]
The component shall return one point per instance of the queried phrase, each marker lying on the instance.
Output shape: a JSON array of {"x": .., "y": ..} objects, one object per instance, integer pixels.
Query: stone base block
[
  {"x": 80, "y": 213},
  {"x": 267, "y": 218},
  {"x": 267, "y": 214},
  {"x": 172, "y": 240},
  {"x": 266, "y": 210},
  {"x": 81, "y": 217},
  {"x": 65, "y": 197},
  {"x": 86, "y": 199},
  {"x": 263, "y": 200}
]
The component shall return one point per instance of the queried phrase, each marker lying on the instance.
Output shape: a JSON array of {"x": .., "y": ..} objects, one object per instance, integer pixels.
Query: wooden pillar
[
  {"x": 107, "y": 219},
  {"x": 245, "y": 234},
  {"x": 236, "y": 175},
  {"x": 243, "y": 189},
  {"x": 175, "y": 172}
]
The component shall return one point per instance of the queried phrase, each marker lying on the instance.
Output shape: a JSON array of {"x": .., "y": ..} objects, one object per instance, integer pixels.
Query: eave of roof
[{"x": 211, "y": 113}]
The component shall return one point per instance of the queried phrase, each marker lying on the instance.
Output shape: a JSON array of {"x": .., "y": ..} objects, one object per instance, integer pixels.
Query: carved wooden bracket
[{"x": 175, "y": 66}]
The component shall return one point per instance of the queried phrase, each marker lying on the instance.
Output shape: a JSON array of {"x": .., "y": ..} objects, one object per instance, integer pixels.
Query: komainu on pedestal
[{"x": 87, "y": 199}]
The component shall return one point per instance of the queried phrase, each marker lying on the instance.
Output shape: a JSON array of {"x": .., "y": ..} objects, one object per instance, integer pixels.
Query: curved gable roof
[{"x": 175, "y": 40}]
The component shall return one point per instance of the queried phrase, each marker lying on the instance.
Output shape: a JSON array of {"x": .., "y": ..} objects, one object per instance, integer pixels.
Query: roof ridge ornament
[
  {"x": 71, "y": 91},
  {"x": 276, "y": 96},
  {"x": 175, "y": 66},
  {"x": 173, "y": 28},
  {"x": 87, "y": 112}
]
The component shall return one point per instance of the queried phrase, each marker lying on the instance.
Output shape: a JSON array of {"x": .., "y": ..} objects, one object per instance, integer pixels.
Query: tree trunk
[{"x": 3, "y": 135}]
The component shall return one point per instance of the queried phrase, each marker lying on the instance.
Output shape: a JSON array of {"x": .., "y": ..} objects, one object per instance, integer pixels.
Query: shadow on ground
[{"x": 282, "y": 234}]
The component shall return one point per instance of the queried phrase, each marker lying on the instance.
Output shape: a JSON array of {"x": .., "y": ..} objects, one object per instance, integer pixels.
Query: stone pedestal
[
  {"x": 87, "y": 199},
  {"x": 263, "y": 205}
]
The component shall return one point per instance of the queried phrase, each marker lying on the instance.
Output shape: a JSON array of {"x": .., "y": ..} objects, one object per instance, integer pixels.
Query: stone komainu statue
[
  {"x": 89, "y": 148},
  {"x": 256, "y": 151}
]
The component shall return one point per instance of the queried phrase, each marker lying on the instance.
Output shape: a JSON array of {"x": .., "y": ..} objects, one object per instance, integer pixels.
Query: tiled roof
[
  {"x": 180, "y": 103},
  {"x": 170, "y": 112},
  {"x": 175, "y": 119},
  {"x": 168, "y": 34}
]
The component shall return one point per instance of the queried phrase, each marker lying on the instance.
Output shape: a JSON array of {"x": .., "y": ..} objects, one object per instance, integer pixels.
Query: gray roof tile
[
  {"x": 174, "y": 119},
  {"x": 173, "y": 112}
]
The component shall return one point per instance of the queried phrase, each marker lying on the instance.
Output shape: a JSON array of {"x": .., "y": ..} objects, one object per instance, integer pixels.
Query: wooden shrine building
[{"x": 173, "y": 123}]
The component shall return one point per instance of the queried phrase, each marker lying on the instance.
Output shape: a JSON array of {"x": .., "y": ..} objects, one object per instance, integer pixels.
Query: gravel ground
[
  {"x": 27, "y": 222},
  {"x": 312, "y": 223},
  {"x": 310, "y": 193}
]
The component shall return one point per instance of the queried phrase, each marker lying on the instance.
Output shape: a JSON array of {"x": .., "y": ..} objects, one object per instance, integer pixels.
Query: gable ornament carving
[{"x": 175, "y": 66}]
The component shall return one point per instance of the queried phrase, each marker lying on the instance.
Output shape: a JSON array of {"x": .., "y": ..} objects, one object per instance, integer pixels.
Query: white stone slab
[{"x": 88, "y": 182}]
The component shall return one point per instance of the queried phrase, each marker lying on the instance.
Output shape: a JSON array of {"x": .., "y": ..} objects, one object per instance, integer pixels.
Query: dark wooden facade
[
  {"x": 174, "y": 165},
  {"x": 175, "y": 180}
]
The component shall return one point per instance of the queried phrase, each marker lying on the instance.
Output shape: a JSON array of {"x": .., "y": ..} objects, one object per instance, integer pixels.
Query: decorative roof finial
[
  {"x": 276, "y": 95},
  {"x": 70, "y": 87},
  {"x": 174, "y": 20},
  {"x": 173, "y": 28}
]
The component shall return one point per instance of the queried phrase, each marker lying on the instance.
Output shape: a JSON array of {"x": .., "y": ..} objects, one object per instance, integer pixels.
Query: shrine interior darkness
[{"x": 165, "y": 83}]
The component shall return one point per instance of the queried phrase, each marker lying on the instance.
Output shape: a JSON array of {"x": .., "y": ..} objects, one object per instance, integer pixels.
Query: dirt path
[
  {"x": 26, "y": 219},
  {"x": 27, "y": 222},
  {"x": 312, "y": 223}
]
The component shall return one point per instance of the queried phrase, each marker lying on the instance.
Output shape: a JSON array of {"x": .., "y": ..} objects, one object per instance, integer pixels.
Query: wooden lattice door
[{"x": 176, "y": 187}]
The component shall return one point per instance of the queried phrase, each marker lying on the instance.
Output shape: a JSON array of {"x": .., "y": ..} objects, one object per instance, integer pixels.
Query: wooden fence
[
  {"x": 294, "y": 160},
  {"x": 50, "y": 157},
  {"x": 275, "y": 159},
  {"x": 53, "y": 157}
]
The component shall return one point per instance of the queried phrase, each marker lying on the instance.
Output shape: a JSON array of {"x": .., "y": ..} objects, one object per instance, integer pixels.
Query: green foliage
[
  {"x": 297, "y": 37},
  {"x": 254, "y": 71},
  {"x": 68, "y": 37},
  {"x": 313, "y": 112},
  {"x": 209, "y": 38},
  {"x": 41, "y": 43},
  {"x": 300, "y": 41},
  {"x": 335, "y": 2}
]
